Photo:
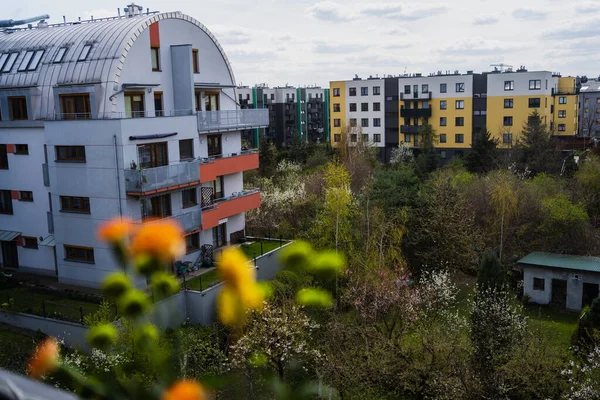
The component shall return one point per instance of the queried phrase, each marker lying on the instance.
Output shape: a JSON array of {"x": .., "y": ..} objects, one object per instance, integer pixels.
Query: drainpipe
[{"x": 118, "y": 177}]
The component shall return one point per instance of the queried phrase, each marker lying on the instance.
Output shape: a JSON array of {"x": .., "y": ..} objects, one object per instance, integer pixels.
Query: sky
[{"x": 307, "y": 42}]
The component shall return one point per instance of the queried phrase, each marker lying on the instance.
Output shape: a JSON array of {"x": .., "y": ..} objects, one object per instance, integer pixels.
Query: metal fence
[
  {"x": 189, "y": 221},
  {"x": 232, "y": 119},
  {"x": 150, "y": 179}
]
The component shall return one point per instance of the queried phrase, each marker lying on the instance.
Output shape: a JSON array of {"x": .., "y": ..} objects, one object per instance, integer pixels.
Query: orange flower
[
  {"x": 114, "y": 230},
  {"x": 161, "y": 240},
  {"x": 185, "y": 390},
  {"x": 44, "y": 359}
]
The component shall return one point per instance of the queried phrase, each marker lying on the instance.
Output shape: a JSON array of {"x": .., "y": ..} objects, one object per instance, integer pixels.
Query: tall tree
[
  {"x": 535, "y": 149},
  {"x": 503, "y": 199},
  {"x": 428, "y": 160},
  {"x": 482, "y": 157},
  {"x": 268, "y": 158}
]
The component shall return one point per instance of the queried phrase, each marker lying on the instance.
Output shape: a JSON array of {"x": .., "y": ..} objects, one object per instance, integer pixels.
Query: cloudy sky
[{"x": 306, "y": 42}]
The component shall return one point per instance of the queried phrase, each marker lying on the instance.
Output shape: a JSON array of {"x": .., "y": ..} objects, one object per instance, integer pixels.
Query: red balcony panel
[
  {"x": 229, "y": 165},
  {"x": 228, "y": 208}
]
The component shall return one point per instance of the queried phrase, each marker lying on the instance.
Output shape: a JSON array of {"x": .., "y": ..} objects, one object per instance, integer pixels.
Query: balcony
[
  {"x": 223, "y": 208},
  {"x": 189, "y": 221},
  {"x": 415, "y": 112},
  {"x": 415, "y": 96},
  {"x": 161, "y": 179},
  {"x": 410, "y": 128},
  {"x": 220, "y": 165},
  {"x": 232, "y": 120}
]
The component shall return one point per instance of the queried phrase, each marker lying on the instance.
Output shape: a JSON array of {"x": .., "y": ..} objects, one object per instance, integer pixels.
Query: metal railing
[
  {"x": 224, "y": 120},
  {"x": 118, "y": 115},
  {"x": 149, "y": 179},
  {"x": 210, "y": 203},
  {"x": 213, "y": 158},
  {"x": 416, "y": 96},
  {"x": 190, "y": 220}
]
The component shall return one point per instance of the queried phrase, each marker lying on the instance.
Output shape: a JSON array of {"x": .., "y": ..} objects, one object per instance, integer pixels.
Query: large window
[
  {"x": 507, "y": 121},
  {"x": 352, "y": 91},
  {"x": 336, "y": 92},
  {"x": 337, "y": 122},
  {"x": 539, "y": 284},
  {"x": 75, "y": 204},
  {"x": 220, "y": 235},
  {"x": 158, "y": 104},
  {"x": 364, "y": 91},
  {"x": 425, "y": 88},
  {"x": 376, "y": 90},
  {"x": 460, "y": 87},
  {"x": 364, "y": 122},
  {"x": 562, "y": 100},
  {"x": 152, "y": 155},
  {"x": 442, "y": 138},
  {"x": 211, "y": 101},
  {"x": 459, "y": 138},
  {"x": 443, "y": 105},
  {"x": 17, "y": 107},
  {"x": 156, "y": 207},
  {"x": 442, "y": 121},
  {"x": 376, "y": 106},
  {"x": 3, "y": 157},
  {"x": 352, "y": 107},
  {"x": 192, "y": 243},
  {"x": 213, "y": 143},
  {"x": 534, "y": 102},
  {"x": 60, "y": 55},
  {"x": 186, "y": 149},
  {"x": 6, "y": 202},
  {"x": 562, "y": 113},
  {"x": 364, "y": 106},
  {"x": 75, "y": 106},
  {"x": 336, "y": 107},
  {"x": 195, "y": 64},
  {"x": 460, "y": 104},
  {"x": 562, "y": 127},
  {"x": 25, "y": 195},
  {"x": 155, "y": 54},
  {"x": 134, "y": 104},
  {"x": 84, "y": 52},
  {"x": 79, "y": 254},
  {"x": 406, "y": 89},
  {"x": 189, "y": 198},
  {"x": 443, "y": 87},
  {"x": 376, "y": 122},
  {"x": 535, "y": 84},
  {"x": 509, "y": 85},
  {"x": 459, "y": 121},
  {"x": 508, "y": 103},
  {"x": 377, "y": 138},
  {"x": 70, "y": 153}
]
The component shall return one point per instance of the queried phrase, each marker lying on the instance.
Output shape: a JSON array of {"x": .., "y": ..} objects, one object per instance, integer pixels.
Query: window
[
  {"x": 5, "y": 202},
  {"x": 562, "y": 113},
  {"x": 25, "y": 195},
  {"x": 563, "y": 100},
  {"x": 425, "y": 104},
  {"x": 507, "y": 121},
  {"x": 352, "y": 122},
  {"x": 352, "y": 106},
  {"x": 377, "y": 137},
  {"x": 195, "y": 61},
  {"x": 17, "y": 107},
  {"x": 442, "y": 138},
  {"x": 365, "y": 137},
  {"x": 376, "y": 106},
  {"x": 352, "y": 91},
  {"x": 364, "y": 91},
  {"x": 158, "y": 104},
  {"x": 539, "y": 284},
  {"x": 60, "y": 55},
  {"x": 220, "y": 235},
  {"x": 134, "y": 104},
  {"x": 443, "y": 88},
  {"x": 337, "y": 138},
  {"x": 534, "y": 102},
  {"x": 10, "y": 61},
  {"x": 26, "y": 60},
  {"x": 509, "y": 85},
  {"x": 186, "y": 149},
  {"x": 443, "y": 154},
  {"x": 337, "y": 122},
  {"x": 425, "y": 88},
  {"x": 336, "y": 107},
  {"x": 562, "y": 127},
  {"x": 3, "y": 58},
  {"x": 84, "y": 52},
  {"x": 21, "y": 149},
  {"x": 336, "y": 92},
  {"x": 407, "y": 137},
  {"x": 353, "y": 137},
  {"x": 75, "y": 106},
  {"x": 377, "y": 122},
  {"x": 3, "y": 157},
  {"x": 507, "y": 138},
  {"x": 459, "y": 138},
  {"x": 188, "y": 197},
  {"x": 75, "y": 204},
  {"x": 460, "y": 104},
  {"x": 535, "y": 84},
  {"x": 442, "y": 121},
  {"x": 211, "y": 101},
  {"x": 460, "y": 87},
  {"x": 364, "y": 122},
  {"x": 214, "y": 144},
  {"x": 192, "y": 243},
  {"x": 31, "y": 60},
  {"x": 79, "y": 254},
  {"x": 376, "y": 90},
  {"x": 459, "y": 121},
  {"x": 156, "y": 207},
  {"x": 443, "y": 105},
  {"x": 364, "y": 106},
  {"x": 70, "y": 153},
  {"x": 152, "y": 155},
  {"x": 30, "y": 242},
  {"x": 406, "y": 89},
  {"x": 508, "y": 103}
]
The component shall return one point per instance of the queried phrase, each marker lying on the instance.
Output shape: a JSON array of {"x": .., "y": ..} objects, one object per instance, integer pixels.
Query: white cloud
[
  {"x": 575, "y": 30},
  {"x": 330, "y": 11},
  {"x": 337, "y": 12},
  {"x": 477, "y": 46},
  {"x": 529, "y": 14},
  {"x": 485, "y": 20},
  {"x": 588, "y": 7}
]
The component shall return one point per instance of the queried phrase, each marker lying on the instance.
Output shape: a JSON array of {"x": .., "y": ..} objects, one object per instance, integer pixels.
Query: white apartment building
[
  {"x": 366, "y": 110},
  {"x": 132, "y": 116}
]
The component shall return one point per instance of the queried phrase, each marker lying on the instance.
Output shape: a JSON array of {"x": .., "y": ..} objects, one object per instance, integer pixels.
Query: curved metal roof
[{"x": 111, "y": 42}]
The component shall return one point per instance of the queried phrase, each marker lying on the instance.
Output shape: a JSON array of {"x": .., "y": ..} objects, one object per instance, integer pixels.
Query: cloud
[
  {"x": 579, "y": 30},
  {"x": 477, "y": 46},
  {"x": 336, "y": 12},
  {"x": 338, "y": 48},
  {"x": 485, "y": 20},
  {"x": 230, "y": 35},
  {"x": 529, "y": 14},
  {"x": 587, "y": 7},
  {"x": 329, "y": 11}
]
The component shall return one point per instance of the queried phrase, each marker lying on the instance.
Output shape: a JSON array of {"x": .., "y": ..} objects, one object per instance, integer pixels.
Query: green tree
[
  {"x": 428, "y": 159},
  {"x": 588, "y": 179},
  {"x": 267, "y": 158},
  {"x": 503, "y": 198},
  {"x": 565, "y": 224},
  {"x": 535, "y": 150},
  {"x": 482, "y": 157},
  {"x": 491, "y": 273},
  {"x": 394, "y": 188}
]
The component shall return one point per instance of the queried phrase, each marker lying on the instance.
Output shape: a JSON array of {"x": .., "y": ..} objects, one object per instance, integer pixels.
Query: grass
[
  {"x": 206, "y": 279},
  {"x": 58, "y": 306},
  {"x": 16, "y": 345},
  {"x": 254, "y": 248}
]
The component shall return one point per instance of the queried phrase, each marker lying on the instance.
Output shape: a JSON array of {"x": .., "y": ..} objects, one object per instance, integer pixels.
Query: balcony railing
[
  {"x": 410, "y": 128},
  {"x": 415, "y": 96},
  {"x": 238, "y": 202},
  {"x": 118, "y": 115},
  {"x": 415, "y": 112},
  {"x": 189, "y": 221},
  {"x": 231, "y": 120},
  {"x": 226, "y": 164},
  {"x": 153, "y": 180}
]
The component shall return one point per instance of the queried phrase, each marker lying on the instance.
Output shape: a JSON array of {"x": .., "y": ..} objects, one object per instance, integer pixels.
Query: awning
[
  {"x": 49, "y": 241},
  {"x": 7, "y": 236},
  {"x": 153, "y": 136}
]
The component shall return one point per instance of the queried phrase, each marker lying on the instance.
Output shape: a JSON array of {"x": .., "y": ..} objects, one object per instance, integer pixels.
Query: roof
[
  {"x": 7, "y": 236},
  {"x": 563, "y": 261},
  {"x": 49, "y": 241},
  {"x": 591, "y": 85}
]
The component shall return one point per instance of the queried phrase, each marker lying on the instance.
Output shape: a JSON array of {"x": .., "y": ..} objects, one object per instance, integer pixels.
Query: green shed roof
[{"x": 563, "y": 261}]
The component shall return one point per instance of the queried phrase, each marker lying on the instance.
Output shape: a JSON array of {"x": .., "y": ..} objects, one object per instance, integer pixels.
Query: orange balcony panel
[
  {"x": 228, "y": 165},
  {"x": 228, "y": 208}
]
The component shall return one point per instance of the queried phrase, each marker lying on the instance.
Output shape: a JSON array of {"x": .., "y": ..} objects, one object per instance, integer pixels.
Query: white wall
[
  {"x": 495, "y": 83},
  {"x": 434, "y": 85},
  {"x": 370, "y": 115}
]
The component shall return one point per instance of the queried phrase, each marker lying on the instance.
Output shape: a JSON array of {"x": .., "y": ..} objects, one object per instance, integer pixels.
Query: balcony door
[
  {"x": 220, "y": 235},
  {"x": 75, "y": 106},
  {"x": 214, "y": 144},
  {"x": 152, "y": 155},
  {"x": 134, "y": 104},
  {"x": 10, "y": 257},
  {"x": 156, "y": 207},
  {"x": 211, "y": 101}
]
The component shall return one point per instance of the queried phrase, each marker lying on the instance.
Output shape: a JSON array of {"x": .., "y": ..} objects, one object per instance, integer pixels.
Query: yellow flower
[
  {"x": 44, "y": 359},
  {"x": 162, "y": 240},
  {"x": 233, "y": 268},
  {"x": 251, "y": 295},
  {"x": 229, "y": 307},
  {"x": 185, "y": 390},
  {"x": 115, "y": 230}
]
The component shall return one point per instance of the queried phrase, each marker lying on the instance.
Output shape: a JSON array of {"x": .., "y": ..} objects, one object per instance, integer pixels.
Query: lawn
[
  {"x": 254, "y": 248},
  {"x": 16, "y": 346},
  {"x": 58, "y": 306},
  {"x": 206, "y": 279}
]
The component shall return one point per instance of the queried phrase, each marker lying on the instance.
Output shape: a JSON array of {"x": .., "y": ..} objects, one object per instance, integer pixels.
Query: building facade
[
  {"x": 132, "y": 116},
  {"x": 457, "y": 106},
  {"x": 295, "y": 113},
  {"x": 589, "y": 108}
]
